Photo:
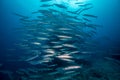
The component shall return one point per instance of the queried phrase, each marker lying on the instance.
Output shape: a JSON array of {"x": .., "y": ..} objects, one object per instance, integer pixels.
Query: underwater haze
[{"x": 59, "y": 40}]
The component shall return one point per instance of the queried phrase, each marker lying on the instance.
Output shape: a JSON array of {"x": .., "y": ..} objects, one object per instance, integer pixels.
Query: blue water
[{"x": 107, "y": 36}]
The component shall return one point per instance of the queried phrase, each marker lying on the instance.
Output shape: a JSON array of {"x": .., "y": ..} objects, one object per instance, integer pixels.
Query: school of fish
[{"x": 56, "y": 41}]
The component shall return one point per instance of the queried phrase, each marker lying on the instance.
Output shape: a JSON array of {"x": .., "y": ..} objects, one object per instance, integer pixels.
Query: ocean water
[{"x": 59, "y": 40}]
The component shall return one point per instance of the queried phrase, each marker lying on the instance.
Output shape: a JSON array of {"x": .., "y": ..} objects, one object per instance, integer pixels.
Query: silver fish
[
  {"x": 45, "y": 5},
  {"x": 60, "y": 6},
  {"x": 89, "y": 15}
]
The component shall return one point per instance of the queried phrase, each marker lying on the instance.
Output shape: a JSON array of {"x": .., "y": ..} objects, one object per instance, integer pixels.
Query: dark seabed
[{"x": 59, "y": 40}]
